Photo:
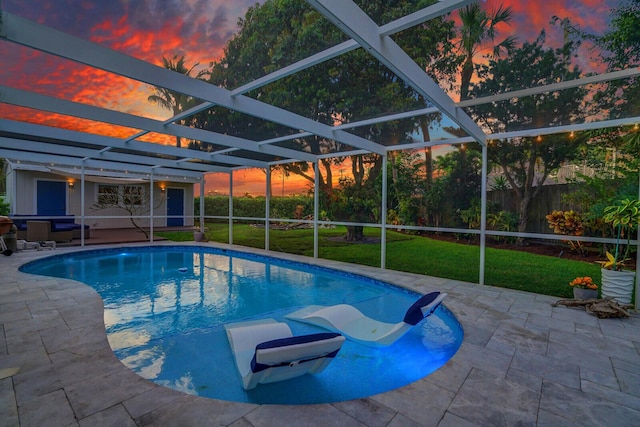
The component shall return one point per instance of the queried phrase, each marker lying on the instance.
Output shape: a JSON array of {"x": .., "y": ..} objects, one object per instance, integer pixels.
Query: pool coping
[{"x": 522, "y": 361}]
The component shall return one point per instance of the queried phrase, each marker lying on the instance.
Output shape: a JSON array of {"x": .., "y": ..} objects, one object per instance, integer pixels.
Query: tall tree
[
  {"x": 527, "y": 161},
  {"x": 351, "y": 87},
  {"x": 406, "y": 186},
  {"x": 271, "y": 36},
  {"x": 613, "y": 152},
  {"x": 479, "y": 27},
  {"x": 461, "y": 179},
  {"x": 619, "y": 48},
  {"x": 173, "y": 101}
]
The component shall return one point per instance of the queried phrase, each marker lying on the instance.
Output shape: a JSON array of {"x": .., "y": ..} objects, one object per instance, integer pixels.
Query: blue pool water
[{"x": 165, "y": 308}]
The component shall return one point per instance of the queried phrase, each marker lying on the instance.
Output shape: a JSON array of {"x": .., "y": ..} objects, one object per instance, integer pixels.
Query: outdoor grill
[{"x": 5, "y": 226}]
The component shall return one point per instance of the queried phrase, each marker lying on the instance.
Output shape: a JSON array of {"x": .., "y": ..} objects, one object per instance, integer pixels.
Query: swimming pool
[{"x": 165, "y": 307}]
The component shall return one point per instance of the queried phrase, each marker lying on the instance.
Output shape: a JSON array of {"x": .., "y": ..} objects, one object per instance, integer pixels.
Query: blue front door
[
  {"x": 175, "y": 207},
  {"x": 51, "y": 198}
]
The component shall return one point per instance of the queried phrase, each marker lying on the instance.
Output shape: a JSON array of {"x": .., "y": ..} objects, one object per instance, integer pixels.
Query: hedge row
[{"x": 293, "y": 207}]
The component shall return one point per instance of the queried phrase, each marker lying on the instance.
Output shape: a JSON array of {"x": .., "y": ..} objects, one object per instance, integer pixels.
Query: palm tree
[
  {"x": 479, "y": 26},
  {"x": 176, "y": 102}
]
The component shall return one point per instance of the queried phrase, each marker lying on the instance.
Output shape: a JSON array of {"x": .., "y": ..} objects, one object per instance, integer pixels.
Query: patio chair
[
  {"x": 349, "y": 321},
  {"x": 266, "y": 351}
]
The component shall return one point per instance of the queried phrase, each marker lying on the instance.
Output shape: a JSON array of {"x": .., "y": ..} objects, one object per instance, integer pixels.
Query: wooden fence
[{"x": 549, "y": 199}]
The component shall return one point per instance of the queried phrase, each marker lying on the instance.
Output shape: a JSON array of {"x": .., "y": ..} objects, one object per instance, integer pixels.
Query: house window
[
  {"x": 132, "y": 195},
  {"x": 128, "y": 195},
  {"x": 108, "y": 194}
]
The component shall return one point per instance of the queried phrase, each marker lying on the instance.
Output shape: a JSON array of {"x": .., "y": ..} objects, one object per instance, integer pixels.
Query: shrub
[
  {"x": 254, "y": 207},
  {"x": 567, "y": 223}
]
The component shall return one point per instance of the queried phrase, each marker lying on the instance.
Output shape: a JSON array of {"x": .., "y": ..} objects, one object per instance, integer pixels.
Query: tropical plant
[
  {"x": 175, "y": 102},
  {"x": 624, "y": 217},
  {"x": 479, "y": 26},
  {"x": 405, "y": 185},
  {"x": 500, "y": 182},
  {"x": 568, "y": 223},
  {"x": 471, "y": 216},
  {"x": 502, "y": 221},
  {"x": 461, "y": 172},
  {"x": 4, "y": 206},
  {"x": 499, "y": 220}
]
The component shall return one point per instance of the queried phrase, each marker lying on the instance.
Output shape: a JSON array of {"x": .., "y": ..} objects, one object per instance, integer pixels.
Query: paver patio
[{"x": 522, "y": 362}]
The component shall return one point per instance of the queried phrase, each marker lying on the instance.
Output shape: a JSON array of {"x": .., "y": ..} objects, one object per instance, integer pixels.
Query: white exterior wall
[
  {"x": 23, "y": 201},
  {"x": 22, "y": 188}
]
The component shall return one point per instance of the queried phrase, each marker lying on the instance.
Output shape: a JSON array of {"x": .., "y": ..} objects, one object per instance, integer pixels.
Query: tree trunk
[
  {"x": 357, "y": 169},
  {"x": 523, "y": 216},
  {"x": 328, "y": 182},
  {"x": 355, "y": 233},
  {"x": 467, "y": 73},
  {"x": 428, "y": 162},
  {"x": 135, "y": 224}
]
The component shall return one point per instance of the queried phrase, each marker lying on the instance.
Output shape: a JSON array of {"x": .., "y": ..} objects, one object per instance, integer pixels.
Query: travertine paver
[
  {"x": 367, "y": 411},
  {"x": 8, "y": 407},
  {"x": 522, "y": 362},
  {"x": 114, "y": 416},
  {"x": 585, "y": 409},
  {"x": 421, "y": 401},
  {"x": 476, "y": 401},
  {"x": 150, "y": 400},
  {"x": 560, "y": 371},
  {"x": 532, "y": 339},
  {"x": 301, "y": 416},
  {"x": 97, "y": 393},
  {"x": 35, "y": 382},
  {"x": 195, "y": 411},
  {"x": 44, "y": 409}
]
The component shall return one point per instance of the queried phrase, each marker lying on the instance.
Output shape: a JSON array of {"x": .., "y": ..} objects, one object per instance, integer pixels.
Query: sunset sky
[{"x": 198, "y": 29}]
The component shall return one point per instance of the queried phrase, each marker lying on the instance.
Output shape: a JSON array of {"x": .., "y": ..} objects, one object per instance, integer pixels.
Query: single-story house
[{"x": 107, "y": 199}]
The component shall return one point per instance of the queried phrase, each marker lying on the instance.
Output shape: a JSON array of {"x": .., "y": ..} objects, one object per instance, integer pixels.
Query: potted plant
[
  {"x": 584, "y": 288},
  {"x": 617, "y": 283}
]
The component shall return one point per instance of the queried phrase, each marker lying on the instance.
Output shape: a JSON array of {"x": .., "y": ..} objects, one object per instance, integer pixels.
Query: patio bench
[
  {"x": 58, "y": 223},
  {"x": 41, "y": 231}
]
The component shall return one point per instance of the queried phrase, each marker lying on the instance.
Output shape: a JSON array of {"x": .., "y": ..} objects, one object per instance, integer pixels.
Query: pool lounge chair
[
  {"x": 349, "y": 321},
  {"x": 266, "y": 351}
]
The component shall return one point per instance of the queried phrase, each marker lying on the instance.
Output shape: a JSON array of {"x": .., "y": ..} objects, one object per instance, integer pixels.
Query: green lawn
[{"x": 415, "y": 254}]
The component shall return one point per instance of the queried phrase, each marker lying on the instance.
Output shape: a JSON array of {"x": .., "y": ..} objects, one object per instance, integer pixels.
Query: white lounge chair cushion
[
  {"x": 351, "y": 322},
  {"x": 266, "y": 351}
]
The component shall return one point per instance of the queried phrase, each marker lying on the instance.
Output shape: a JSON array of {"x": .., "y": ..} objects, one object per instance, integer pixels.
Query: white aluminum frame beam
[
  {"x": 33, "y": 100},
  {"x": 347, "y": 16},
  {"x": 41, "y": 131},
  {"x": 30, "y": 34},
  {"x": 577, "y": 127},
  {"x": 552, "y": 87},
  {"x": 88, "y": 153},
  {"x": 52, "y": 160}
]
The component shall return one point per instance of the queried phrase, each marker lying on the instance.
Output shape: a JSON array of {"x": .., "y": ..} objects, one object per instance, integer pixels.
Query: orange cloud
[{"x": 64, "y": 122}]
